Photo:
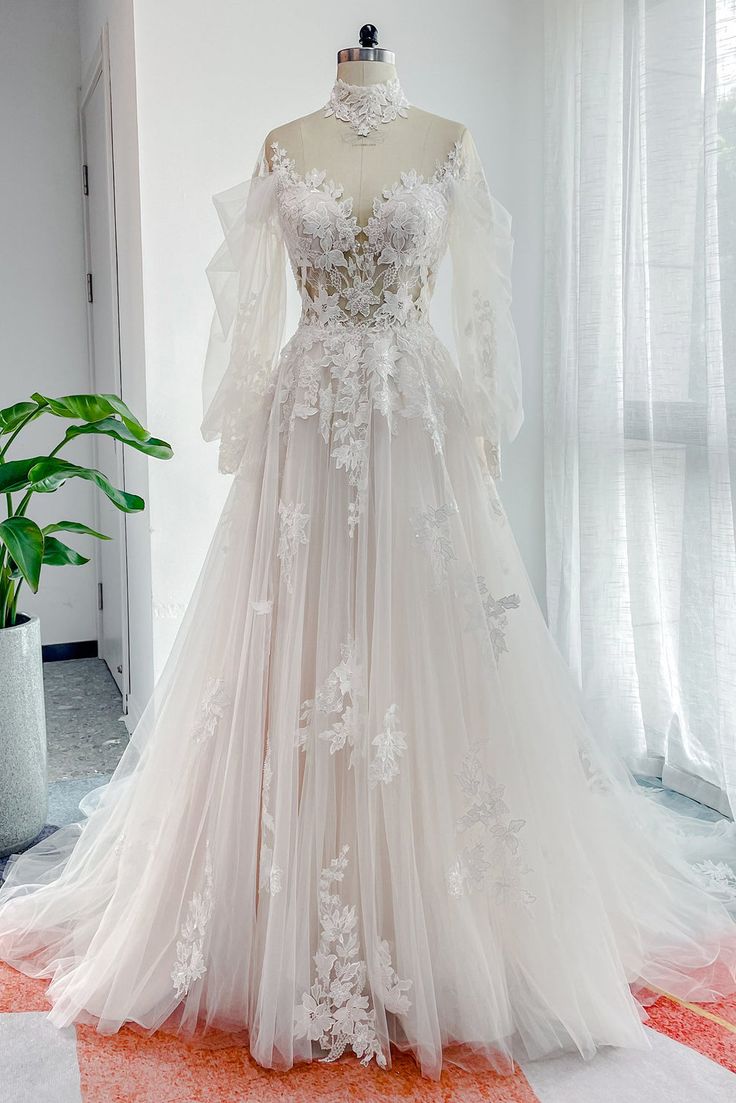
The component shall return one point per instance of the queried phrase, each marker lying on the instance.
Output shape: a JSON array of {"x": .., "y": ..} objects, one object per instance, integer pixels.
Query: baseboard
[
  {"x": 60, "y": 652},
  {"x": 133, "y": 715}
]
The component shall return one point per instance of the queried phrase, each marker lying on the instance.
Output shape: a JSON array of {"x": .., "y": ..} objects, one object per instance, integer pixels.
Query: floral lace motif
[
  {"x": 719, "y": 877},
  {"x": 339, "y": 700},
  {"x": 392, "y": 987},
  {"x": 484, "y": 322},
  {"x": 271, "y": 876},
  {"x": 378, "y": 274},
  {"x": 366, "y": 106},
  {"x": 493, "y": 858},
  {"x": 262, "y": 608},
  {"x": 486, "y": 615},
  {"x": 489, "y": 481},
  {"x": 251, "y": 388},
  {"x": 215, "y": 702},
  {"x": 190, "y": 962},
  {"x": 431, "y": 529},
  {"x": 335, "y": 699},
  {"x": 390, "y": 745},
  {"x": 293, "y": 522},
  {"x": 336, "y": 1011},
  {"x": 495, "y": 610},
  {"x": 342, "y": 376},
  {"x": 593, "y": 770}
]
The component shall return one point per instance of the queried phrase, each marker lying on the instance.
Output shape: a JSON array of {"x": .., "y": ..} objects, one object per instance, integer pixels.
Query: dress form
[{"x": 365, "y": 165}]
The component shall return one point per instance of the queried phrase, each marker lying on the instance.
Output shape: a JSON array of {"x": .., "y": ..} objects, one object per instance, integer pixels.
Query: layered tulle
[{"x": 363, "y": 808}]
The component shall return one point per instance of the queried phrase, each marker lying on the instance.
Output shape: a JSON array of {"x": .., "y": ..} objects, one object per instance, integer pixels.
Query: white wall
[
  {"x": 212, "y": 80},
  {"x": 118, "y": 16},
  {"x": 42, "y": 294}
]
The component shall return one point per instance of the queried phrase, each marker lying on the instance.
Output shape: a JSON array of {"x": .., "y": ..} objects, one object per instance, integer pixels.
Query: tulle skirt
[{"x": 363, "y": 809}]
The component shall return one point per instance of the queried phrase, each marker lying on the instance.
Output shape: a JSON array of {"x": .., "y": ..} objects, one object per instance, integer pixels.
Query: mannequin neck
[{"x": 366, "y": 72}]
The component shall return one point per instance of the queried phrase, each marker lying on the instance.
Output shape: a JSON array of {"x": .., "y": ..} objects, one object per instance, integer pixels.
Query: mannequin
[{"x": 364, "y": 165}]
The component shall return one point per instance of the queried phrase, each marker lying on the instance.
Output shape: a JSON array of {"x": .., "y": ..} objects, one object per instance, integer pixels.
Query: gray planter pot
[{"x": 23, "y": 791}]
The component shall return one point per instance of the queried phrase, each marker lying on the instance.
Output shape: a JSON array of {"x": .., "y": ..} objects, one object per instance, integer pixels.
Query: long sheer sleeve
[
  {"x": 247, "y": 278},
  {"x": 481, "y": 248}
]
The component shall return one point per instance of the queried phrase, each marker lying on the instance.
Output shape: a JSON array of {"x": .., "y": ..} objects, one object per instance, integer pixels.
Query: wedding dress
[{"x": 363, "y": 808}]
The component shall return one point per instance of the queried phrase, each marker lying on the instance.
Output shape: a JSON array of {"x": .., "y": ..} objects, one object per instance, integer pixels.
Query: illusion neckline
[
  {"x": 365, "y": 107},
  {"x": 317, "y": 179}
]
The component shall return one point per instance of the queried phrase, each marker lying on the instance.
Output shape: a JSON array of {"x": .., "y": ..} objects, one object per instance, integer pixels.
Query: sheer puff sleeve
[
  {"x": 247, "y": 276},
  {"x": 481, "y": 248}
]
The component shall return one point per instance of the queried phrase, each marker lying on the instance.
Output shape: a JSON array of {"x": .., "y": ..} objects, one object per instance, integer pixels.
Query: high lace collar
[{"x": 366, "y": 106}]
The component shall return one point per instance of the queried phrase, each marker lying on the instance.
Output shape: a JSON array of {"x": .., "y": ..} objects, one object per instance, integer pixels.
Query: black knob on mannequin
[{"x": 368, "y": 36}]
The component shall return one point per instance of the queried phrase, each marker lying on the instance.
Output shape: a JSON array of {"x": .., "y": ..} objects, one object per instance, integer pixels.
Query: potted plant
[{"x": 25, "y": 548}]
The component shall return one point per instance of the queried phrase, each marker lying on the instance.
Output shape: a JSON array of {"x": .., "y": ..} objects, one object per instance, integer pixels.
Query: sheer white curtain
[{"x": 640, "y": 377}]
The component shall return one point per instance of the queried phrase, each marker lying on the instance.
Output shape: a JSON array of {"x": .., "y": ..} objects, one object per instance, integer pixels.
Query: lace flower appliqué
[
  {"x": 190, "y": 962},
  {"x": 293, "y": 522},
  {"x": 486, "y": 615},
  {"x": 214, "y": 704},
  {"x": 336, "y": 1011},
  {"x": 393, "y": 988},
  {"x": 719, "y": 877},
  {"x": 493, "y": 857},
  {"x": 431, "y": 529},
  {"x": 495, "y": 610},
  {"x": 366, "y": 106},
  {"x": 336, "y": 699},
  {"x": 271, "y": 876},
  {"x": 390, "y": 745}
]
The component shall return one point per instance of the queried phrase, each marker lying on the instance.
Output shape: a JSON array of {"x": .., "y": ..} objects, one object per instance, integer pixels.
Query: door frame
[{"x": 99, "y": 71}]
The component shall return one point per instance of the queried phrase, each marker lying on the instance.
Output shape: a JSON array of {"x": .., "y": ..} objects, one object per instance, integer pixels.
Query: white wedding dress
[{"x": 363, "y": 809}]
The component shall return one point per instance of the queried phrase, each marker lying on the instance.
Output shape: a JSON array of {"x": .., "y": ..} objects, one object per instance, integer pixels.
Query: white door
[{"x": 104, "y": 345}]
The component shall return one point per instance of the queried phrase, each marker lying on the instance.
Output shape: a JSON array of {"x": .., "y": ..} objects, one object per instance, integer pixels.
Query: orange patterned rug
[{"x": 130, "y": 1068}]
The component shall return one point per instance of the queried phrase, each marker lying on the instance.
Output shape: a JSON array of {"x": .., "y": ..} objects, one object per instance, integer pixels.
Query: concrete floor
[
  {"x": 86, "y": 732},
  {"x": 84, "y": 719}
]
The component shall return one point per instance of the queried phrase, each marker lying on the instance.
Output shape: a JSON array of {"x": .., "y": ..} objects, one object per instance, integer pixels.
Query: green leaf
[
  {"x": 127, "y": 416},
  {"x": 92, "y": 407},
  {"x": 14, "y": 474},
  {"x": 73, "y": 526},
  {"x": 58, "y": 554},
  {"x": 49, "y": 474},
  {"x": 12, "y": 416},
  {"x": 111, "y": 427},
  {"x": 24, "y": 541}
]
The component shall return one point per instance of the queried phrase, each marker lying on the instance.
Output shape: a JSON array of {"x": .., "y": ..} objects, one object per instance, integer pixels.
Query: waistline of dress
[{"x": 348, "y": 326}]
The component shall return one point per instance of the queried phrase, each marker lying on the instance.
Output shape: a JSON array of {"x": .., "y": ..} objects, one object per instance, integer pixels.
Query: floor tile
[
  {"x": 38, "y": 1063},
  {"x": 668, "y": 1073}
]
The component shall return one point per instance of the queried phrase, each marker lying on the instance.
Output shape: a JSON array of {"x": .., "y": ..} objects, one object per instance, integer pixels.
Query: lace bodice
[
  {"x": 378, "y": 274},
  {"x": 363, "y": 342}
]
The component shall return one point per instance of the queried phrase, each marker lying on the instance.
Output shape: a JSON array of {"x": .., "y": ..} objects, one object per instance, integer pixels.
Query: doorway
[{"x": 103, "y": 324}]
